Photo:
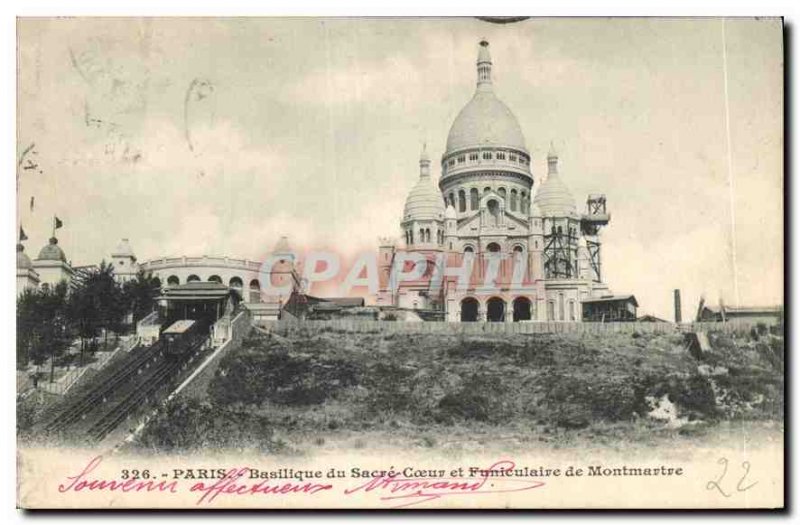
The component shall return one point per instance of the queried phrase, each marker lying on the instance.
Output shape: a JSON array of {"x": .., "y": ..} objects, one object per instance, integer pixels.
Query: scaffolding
[
  {"x": 592, "y": 221},
  {"x": 560, "y": 253}
]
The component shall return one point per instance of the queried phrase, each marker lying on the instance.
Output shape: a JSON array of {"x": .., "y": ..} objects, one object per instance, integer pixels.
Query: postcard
[{"x": 400, "y": 263}]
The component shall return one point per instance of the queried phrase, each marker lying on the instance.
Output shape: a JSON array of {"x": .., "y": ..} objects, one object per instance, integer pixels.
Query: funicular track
[{"x": 110, "y": 400}]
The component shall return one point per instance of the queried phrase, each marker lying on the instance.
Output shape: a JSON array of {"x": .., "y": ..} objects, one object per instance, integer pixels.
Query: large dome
[{"x": 485, "y": 120}]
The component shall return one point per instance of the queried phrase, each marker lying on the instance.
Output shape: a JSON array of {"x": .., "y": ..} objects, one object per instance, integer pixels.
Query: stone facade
[{"x": 530, "y": 255}]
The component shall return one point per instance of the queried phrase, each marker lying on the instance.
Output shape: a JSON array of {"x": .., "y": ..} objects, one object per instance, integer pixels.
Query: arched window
[
  {"x": 493, "y": 247},
  {"x": 156, "y": 282},
  {"x": 410, "y": 236},
  {"x": 513, "y": 200},
  {"x": 572, "y": 310},
  {"x": 236, "y": 284},
  {"x": 468, "y": 249},
  {"x": 523, "y": 202},
  {"x": 494, "y": 211},
  {"x": 486, "y": 190},
  {"x": 462, "y": 201},
  {"x": 452, "y": 199},
  {"x": 255, "y": 291},
  {"x": 421, "y": 235},
  {"x": 173, "y": 280},
  {"x": 502, "y": 193},
  {"x": 473, "y": 199},
  {"x": 192, "y": 278},
  {"x": 215, "y": 279}
]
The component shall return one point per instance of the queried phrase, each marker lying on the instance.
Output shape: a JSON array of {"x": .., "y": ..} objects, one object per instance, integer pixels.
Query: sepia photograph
[{"x": 400, "y": 263}]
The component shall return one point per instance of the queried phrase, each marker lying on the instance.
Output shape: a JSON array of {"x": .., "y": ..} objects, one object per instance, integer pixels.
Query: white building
[{"x": 531, "y": 259}]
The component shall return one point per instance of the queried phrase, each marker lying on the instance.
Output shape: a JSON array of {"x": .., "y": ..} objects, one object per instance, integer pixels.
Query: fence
[
  {"x": 444, "y": 327},
  {"x": 64, "y": 383}
]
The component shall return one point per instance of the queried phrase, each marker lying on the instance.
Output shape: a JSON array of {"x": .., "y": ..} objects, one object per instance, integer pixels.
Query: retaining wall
[{"x": 444, "y": 327}]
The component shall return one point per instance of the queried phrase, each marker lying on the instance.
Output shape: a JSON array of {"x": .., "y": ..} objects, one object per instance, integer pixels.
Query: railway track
[
  {"x": 103, "y": 406},
  {"x": 98, "y": 393},
  {"x": 128, "y": 400}
]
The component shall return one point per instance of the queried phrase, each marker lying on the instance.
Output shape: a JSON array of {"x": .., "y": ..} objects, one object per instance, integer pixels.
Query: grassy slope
[{"x": 329, "y": 389}]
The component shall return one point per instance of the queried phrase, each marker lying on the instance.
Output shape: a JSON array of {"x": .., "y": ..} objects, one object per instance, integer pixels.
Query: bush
[
  {"x": 185, "y": 425},
  {"x": 281, "y": 376}
]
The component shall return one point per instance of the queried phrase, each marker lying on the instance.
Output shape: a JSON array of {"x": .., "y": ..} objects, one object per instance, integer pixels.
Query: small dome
[
  {"x": 23, "y": 261},
  {"x": 52, "y": 252},
  {"x": 123, "y": 249},
  {"x": 554, "y": 198},
  {"x": 450, "y": 212},
  {"x": 282, "y": 246},
  {"x": 424, "y": 202}
]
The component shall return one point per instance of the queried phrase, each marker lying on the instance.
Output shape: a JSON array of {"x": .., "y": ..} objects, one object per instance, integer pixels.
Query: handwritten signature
[{"x": 410, "y": 491}]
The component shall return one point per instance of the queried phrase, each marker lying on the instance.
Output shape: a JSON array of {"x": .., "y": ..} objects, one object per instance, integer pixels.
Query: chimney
[{"x": 677, "y": 294}]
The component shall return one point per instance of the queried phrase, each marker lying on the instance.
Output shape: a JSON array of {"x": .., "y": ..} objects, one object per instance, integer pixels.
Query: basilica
[{"x": 531, "y": 254}]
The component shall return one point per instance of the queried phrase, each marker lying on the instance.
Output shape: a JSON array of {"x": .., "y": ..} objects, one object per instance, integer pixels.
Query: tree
[
  {"x": 140, "y": 295},
  {"x": 96, "y": 303},
  {"x": 27, "y": 324},
  {"x": 43, "y": 331}
]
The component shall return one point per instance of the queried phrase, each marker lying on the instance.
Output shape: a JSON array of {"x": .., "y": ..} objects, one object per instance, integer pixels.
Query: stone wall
[{"x": 444, "y": 327}]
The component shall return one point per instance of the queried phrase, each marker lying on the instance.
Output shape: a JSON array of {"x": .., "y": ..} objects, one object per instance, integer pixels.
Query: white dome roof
[
  {"x": 554, "y": 198},
  {"x": 424, "y": 202},
  {"x": 485, "y": 121}
]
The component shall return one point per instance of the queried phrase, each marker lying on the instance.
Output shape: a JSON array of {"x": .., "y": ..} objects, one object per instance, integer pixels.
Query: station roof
[
  {"x": 612, "y": 298},
  {"x": 196, "y": 291}
]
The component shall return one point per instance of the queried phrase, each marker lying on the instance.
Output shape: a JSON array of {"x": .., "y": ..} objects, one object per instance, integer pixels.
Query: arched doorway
[
  {"x": 495, "y": 310},
  {"x": 469, "y": 310},
  {"x": 192, "y": 278},
  {"x": 522, "y": 309}
]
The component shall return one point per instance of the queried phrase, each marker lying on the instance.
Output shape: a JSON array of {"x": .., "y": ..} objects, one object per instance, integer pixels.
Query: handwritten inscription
[
  {"x": 741, "y": 486},
  {"x": 395, "y": 487}
]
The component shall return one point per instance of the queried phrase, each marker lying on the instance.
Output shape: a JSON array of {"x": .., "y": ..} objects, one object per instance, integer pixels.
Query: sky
[{"x": 217, "y": 136}]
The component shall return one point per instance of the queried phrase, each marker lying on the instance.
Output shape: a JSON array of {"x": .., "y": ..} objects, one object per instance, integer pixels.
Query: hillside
[{"x": 316, "y": 387}]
